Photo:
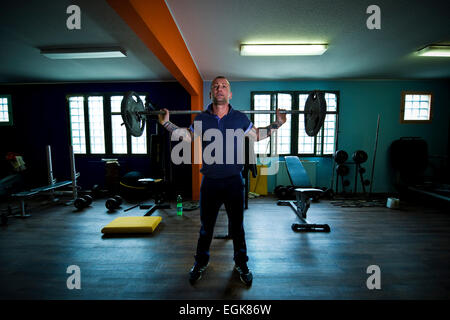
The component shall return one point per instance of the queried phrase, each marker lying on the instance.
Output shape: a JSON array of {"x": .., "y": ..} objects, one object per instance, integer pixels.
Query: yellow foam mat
[{"x": 132, "y": 225}]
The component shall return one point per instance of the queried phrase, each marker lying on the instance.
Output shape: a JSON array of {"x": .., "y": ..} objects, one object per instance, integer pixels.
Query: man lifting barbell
[{"x": 222, "y": 182}]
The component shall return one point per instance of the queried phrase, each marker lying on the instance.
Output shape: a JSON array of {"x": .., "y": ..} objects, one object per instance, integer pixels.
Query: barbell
[{"x": 134, "y": 113}]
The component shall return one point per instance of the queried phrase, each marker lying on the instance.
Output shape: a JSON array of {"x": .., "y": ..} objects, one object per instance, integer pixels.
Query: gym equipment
[
  {"x": 83, "y": 202},
  {"x": 409, "y": 158},
  {"x": 360, "y": 157},
  {"x": 276, "y": 191},
  {"x": 49, "y": 189},
  {"x": 134, "y": 114},
  {"x": 190, "y": 205},
  {"x": 328, "y": 193},
  {"x": 132, "y": 189},
  {"x": 303, "y": 195},
  {"x": 342, "y": 170},
  {"x": 132, "y": 225},
  {"x": 340, "y": 156},
  {"x": 153, "y": 207},
  {"x": 284, "y": 192},
  {"x": 315, "y": 112},
  {"x": 374, "y": 154},
  {"x": 113, "y": 203}
]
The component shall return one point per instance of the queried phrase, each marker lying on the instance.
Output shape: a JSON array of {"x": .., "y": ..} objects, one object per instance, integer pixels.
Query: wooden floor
[{"x": 411, "y": 247}]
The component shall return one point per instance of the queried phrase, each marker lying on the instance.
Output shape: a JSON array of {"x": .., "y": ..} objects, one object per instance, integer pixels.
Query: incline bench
[{"x": 303, "y": 194}]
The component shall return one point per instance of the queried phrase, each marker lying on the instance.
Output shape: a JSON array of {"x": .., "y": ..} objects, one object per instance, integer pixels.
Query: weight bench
[
  {"x": 28, "y": 194},
  {"x": 303, "y": 194}
]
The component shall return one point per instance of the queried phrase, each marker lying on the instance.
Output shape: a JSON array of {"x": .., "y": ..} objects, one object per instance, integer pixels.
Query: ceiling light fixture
[
  {"x": 83, "y": 53},
  {"x": 435, "y": 51},
  {"x": 283, "y": 49}
]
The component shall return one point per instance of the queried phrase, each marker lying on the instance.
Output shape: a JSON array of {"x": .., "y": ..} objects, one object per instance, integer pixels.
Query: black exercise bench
[{"x": 303, "y": 194}]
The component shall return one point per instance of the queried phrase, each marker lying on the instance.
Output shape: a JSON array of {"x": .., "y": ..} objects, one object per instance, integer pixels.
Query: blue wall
[
  {"x": 40, "y": 119},
  {"x": 360, "y": 103}
]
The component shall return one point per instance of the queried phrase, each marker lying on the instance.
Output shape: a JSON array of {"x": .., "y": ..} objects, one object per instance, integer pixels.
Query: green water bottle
[{"x": 179, "y": 206}]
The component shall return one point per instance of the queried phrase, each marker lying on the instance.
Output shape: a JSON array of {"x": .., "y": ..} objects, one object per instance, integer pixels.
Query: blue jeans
[{"x": 213, "y": 193}]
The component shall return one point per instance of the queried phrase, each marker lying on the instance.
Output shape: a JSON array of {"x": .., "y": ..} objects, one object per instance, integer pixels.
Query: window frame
[
  {"x": 10, "y": 121},
  {"x": 402, "y": 106},
  {"x": 295, "y": 120},
  {"x": 107, "y": 118}
]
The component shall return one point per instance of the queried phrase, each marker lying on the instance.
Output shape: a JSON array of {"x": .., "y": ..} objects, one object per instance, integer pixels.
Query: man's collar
[{"x": 210, "y": 111}]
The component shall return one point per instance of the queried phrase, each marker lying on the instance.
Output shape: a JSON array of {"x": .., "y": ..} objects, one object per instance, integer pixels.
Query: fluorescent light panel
[
  {"x": 283, "y": 49},
  {"x": 83, "y": 53},
  {"x": 435, "y": 51}
]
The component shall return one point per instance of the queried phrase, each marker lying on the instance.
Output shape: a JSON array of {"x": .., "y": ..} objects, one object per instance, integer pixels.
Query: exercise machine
[{"x": 52, "y": 186}]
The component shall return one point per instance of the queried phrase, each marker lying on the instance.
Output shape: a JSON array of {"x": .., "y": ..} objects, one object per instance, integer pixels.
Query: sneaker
[
  {"x": 244, "y": 274},
  {"x": 196, "y": 272}
]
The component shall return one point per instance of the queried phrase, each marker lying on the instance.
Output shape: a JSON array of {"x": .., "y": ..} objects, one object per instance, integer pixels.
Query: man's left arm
[{"x": 258, "y": 134}]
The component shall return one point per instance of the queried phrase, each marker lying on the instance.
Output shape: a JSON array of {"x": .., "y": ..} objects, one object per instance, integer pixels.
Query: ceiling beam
[{"x": 155, "y": 26}]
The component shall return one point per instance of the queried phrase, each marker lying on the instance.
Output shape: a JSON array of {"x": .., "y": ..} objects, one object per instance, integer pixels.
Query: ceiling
[{"x": 213, "y": 31}]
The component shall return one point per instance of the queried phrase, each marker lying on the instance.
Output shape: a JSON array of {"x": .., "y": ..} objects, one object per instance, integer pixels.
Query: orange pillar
[{"x": 154, "y": 25}]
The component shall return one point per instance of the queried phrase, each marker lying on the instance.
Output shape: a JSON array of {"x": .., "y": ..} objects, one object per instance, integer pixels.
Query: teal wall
[{"x": 360, "y": 103}]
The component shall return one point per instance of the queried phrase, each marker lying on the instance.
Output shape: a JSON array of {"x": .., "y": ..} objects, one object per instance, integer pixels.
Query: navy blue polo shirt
[{"x": 234, "y": 120}]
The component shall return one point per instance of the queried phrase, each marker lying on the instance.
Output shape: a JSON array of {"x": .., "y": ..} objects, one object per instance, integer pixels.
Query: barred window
[
  {"x": 291, "y": 138},
  {"x": 5, "y": 111},
  {"x": 96, "y": 126},
  {"x": 416, "y": 107}
]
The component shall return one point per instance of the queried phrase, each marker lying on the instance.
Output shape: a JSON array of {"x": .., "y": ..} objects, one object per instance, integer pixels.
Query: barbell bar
[
  {"x": 134, "y": 113},
  {"x": 183, "y": 112}
]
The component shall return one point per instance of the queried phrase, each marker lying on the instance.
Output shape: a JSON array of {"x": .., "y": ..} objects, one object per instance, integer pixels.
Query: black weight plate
[
  {"x": 340, "y": 156},
  {"x": 88, "y": 199},
  {"x": 130, "y": 107},
  {"x": 315, "y": 112},
  {"x": 342, "y": 169},
  {"x": 359, "y": 156}
]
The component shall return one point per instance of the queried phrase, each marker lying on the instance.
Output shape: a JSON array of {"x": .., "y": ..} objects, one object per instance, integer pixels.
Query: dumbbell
[
  {"x": 83, "y": 202},
  {"x": 113, "y": 203},
  {"x": 283, "y": 193},
  {"x": 277, "y": 190}
]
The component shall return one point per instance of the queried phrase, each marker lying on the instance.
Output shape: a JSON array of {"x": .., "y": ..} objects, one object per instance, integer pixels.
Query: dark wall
[{"x": 40, "y": 118}]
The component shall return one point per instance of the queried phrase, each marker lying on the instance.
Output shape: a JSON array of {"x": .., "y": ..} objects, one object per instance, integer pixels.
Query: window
[
  {"x": 5, "y": 111},
  {"x": 291, "y": 138},
  {"x": 416, "y": 107},
  {"x": 76, "y": 111},
  {"x": 96, "y": 124},
  {"x": 96, "y": 128}
]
